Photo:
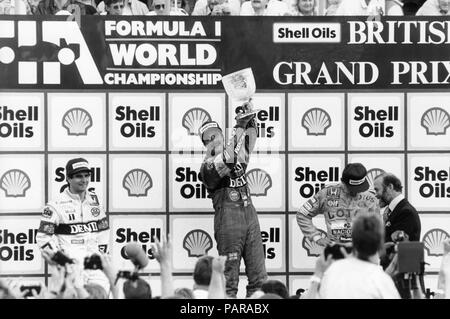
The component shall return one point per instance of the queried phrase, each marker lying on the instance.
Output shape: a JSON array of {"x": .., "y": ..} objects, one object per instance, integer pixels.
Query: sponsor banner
[
  {"x": 376, "y": 121},
  {"x": 142, "y": 230},
  {"x": 137, "y": 121},
  {"x": 303, "y": 252},
  {"x": 310, "y": 173},
  {"x": 188, "y": 112},
  {"x": 316, "y": 121},
  {"x": 266, "y": 182},
  {"x": 57, "y": 178},
  {"x": 192, "y": 237},
  {"x": 76, "y": 121},
  {"x": 379, "y": 163},
  {"x": 19, "y": 252},
  {"x": 299, "y": 282},
  {"x": 188, "y": 192},
  {"x": 428, "y": 121},
  {"x": 22, "y": 121},
  {"x": 273, "y": 236},
  {"x": 429, "y": 181},
  {"x": 435, "y": 228},
  {"x": 181, "y": 53},
  {"x": 21, "y": 183},
  {"x": 271, "y": 132},
  {"x": 137, "y": 183}
]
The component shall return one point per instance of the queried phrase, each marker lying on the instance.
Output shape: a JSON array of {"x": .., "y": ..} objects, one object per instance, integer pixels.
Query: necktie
[{"x": 387, "y": 213}]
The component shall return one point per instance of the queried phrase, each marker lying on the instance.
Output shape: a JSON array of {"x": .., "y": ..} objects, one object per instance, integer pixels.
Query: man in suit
[{"x": 399, "y": 214}]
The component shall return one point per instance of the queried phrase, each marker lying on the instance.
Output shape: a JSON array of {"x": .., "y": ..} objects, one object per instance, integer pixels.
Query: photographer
[{"x": 358, "y": 275}]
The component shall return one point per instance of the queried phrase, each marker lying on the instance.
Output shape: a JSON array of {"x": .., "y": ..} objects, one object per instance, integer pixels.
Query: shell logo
[
  {"x": 259, "y": 182},
  {"x": 372, "y": 174},
  {"x": 77, "y": 121},
  {"x": 433, "y": 241},
  {"x": 137, "y": 182},
  {"x": 316, "y": 121},
  {"x": 15, "y": 183},
  {"x": 435, "y": 121},
  {"x": 194, "y": 119},
  {"x": 312, "y": 248},
  {"x": 197, "y": 243}
]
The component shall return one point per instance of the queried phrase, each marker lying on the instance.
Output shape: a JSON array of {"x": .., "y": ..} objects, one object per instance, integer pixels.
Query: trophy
[{"x": 240, "y": 87}]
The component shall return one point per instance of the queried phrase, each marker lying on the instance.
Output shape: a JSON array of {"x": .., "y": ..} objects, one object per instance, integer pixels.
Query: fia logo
[
  {"x": 39, "y": 48},
  {"x": 77, "y": 121},
  {"x": 435, "y": 121},
  {"x": 137, "y": 182},
  {"x": 316, "y": 121},
  {"x": 197, "y": 243},
  {"x": 15, "y": 183},
  {"x": 312, "y": 248},
  {"x": 194, "y": 119},
  {"x": 259, "y": 182},
  {"x": 433, "y": 241}
]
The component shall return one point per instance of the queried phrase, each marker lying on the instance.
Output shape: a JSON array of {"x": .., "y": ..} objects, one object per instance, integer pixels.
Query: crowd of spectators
[
  {"x": 357, "y": 275},
  {"x": 231, "y": 7}
]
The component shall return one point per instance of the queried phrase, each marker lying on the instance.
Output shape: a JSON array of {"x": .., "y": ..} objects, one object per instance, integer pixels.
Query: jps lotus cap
[
  {"x": 77, "y": 165},
  {"x": 354, "y": 176}
]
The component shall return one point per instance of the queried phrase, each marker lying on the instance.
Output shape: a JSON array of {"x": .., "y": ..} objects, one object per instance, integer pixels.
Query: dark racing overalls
[{"x": 236, "y": 225}]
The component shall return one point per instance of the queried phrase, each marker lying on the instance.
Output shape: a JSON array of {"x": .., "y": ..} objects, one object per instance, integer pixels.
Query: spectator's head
[
  {"x": 114, "y": 7},
  {"x": 203, "y": 270},
  {"x": 78, "y": 175},
  {"x": 184, "y": 293},
  {"x": 354, "y": 178},
  {"x": 137, "y": 289},
  {"x": 259, "y": 5},
  {"x": 162, "y": 7},
  {"x": 306, "y": 7},
  {"x": 95, "y": 291},
  {"x": 367, "y": 235},
  {"x": 275, "y": 287},
  {"x": 387, "y": 186}
]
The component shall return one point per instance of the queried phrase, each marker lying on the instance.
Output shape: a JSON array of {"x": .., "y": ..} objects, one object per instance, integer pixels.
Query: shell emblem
[
  {"x": 77, "y": 121},
  {"x": 15, "y": 183},
  {"x": 433, "y": 241},
  {"x": 197, "y": 243},
  {"x": 137, "y": 182},
  {"x": 316, "y": 121},
  {"x": 194, "y": 119},
  {"x": 312, "y": 248},
  {"x": 435, "y": 121},
  {"x": 259, "y": 182},
  {"x": 372, "y": 174}
]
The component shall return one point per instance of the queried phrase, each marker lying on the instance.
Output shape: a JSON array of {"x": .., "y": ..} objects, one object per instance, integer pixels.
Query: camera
[
  {"x": 28, "y": 290},
  {"x": 335, "y": 251},
  {"x": 93, "y": 262},
  {"x": 62, "y": 259}
]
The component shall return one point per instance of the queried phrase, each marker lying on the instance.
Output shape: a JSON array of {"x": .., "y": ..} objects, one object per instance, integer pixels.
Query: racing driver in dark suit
[{"x": 236, "y": 225}]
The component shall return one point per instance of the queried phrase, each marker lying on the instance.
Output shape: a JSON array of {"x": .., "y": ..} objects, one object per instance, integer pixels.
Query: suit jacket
[{"x": 403, "y": 217}]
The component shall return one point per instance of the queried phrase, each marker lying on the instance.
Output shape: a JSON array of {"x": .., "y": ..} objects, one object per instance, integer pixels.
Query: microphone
[{"x": 136, "y": 255}]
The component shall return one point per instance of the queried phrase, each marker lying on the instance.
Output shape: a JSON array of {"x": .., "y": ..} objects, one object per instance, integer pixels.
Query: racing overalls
[
  {"x": 78, "y": 228},
  {"x": 339, "y": 210},
  {"x": 236, "y": 226}
]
